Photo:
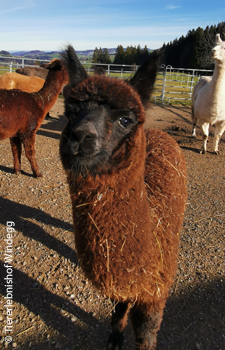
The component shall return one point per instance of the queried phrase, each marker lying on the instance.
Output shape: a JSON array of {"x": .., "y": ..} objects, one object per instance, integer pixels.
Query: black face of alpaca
[
  {"x": 92, "y": 137},
  {"x": 103, "y": 115}
]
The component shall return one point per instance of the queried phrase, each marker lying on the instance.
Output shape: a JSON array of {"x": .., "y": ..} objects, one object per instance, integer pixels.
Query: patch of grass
[{"x": 5, "y": 69}]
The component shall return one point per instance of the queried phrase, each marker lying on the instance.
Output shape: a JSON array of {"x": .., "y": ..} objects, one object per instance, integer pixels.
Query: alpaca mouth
[
  {"x": 85, "y": 152},
  {"x": 86, "y": 157},
  {"x": 87, "y": 163}
]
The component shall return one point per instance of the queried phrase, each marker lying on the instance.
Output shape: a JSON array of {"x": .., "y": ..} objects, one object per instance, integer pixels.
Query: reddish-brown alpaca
[
  {"x": 128, "y": 192},
  {"x": 21, "y": 114}
]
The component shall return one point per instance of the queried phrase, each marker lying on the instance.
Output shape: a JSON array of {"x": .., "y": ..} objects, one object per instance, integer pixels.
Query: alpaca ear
[
  {"x": 76, "y": 71},
  {"x": 55, "y": 65},
  {"x": 218, "y": 39},
  {"x": 144, "y": 79}
]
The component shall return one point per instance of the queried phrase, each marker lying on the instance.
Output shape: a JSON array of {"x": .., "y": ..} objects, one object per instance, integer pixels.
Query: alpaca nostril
[
  {"x": 84, "y": 129},
  {"x": 85, "y": 140},
  {"x": 90, "y": 137},
  {"x": 81, "y": 136}
]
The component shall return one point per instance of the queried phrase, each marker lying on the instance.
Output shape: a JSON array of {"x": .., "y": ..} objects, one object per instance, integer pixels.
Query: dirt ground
[{"x": 54, "y": 307}]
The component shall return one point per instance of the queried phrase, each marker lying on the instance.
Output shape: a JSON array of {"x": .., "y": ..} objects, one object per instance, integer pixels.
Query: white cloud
[
  {"x": 24, "y": 5},
  {"x": 172, "y": 7}
]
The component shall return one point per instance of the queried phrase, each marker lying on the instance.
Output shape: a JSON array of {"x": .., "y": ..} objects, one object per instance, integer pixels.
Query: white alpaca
[{"x": 208, "y": 102}]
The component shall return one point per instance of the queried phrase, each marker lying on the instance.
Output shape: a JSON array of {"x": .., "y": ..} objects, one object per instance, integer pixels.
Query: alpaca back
[
  {"x": 17, "y": 81},
  {"x": 200, "y": 84},
  {"x": 20, "y": 114},
  {"x": 33, "y": 71}
]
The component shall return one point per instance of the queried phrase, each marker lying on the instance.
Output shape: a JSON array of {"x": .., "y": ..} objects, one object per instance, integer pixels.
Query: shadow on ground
[{"x": 195, "y": 319}]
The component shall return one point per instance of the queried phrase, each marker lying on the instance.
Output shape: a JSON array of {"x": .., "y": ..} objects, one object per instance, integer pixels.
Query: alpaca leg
[
  {"x": 146, "y": 324},
  {"x": 16, "y": 150},
  {"x": 118, "y": 323},
  {"x": 30, "y": 154},
  {"x": 205, "y": 131},
  {"x": 220, "y": 127},
  {"x": 194, "y": 122},
  {"x": 194, "y": 131}
]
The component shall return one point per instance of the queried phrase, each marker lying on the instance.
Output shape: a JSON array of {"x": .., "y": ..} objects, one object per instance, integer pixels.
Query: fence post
[
  {"x": 188, "y": 75},
  {"x": 192, "y": 80},
  {"x": 22, "y": 62},
  {"x": 164, "y": 85},
  {"x": 10, "y": 67},
  {"x": 108, "y": 70}
]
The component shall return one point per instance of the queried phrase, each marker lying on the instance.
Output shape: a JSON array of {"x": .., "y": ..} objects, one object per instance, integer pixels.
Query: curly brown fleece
[
  {"x": 127, "y": 211},
  {"x": 127, "y": 224}
]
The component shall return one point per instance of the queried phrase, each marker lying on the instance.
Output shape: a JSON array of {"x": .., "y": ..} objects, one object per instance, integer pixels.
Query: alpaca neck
[
  {"x": 121, "y": 184},
  {"x": 217, "y": 83},
  {"x": 50, "y": 90}
]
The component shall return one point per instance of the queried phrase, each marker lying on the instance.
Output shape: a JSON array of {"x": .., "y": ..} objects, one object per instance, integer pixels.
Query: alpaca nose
[
  {"x": 85, "y": 136},
  {"x": 81, "y": 135}
]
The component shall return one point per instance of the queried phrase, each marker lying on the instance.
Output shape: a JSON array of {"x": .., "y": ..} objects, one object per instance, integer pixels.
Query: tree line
[
  {"x": 191, "y": 51},
  {"x": 195, "y": 49},
  {"x": 130, "y": 56}
]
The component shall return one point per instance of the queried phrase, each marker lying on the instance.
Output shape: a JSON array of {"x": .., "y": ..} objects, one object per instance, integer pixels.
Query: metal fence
[
  {"x": 176, "y": 83},
  {"x": 171, "y": 83},
  {"x": 119, "y": 70},
  {"x": 13, "y": 63}
]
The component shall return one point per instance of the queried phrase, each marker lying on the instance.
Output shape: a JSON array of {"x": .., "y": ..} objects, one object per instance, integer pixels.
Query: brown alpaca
[
  {"x": 128, "y": 192},
  {"x": 22, "y": 113},
  {"x": 33, "y": 71},
  {"x": 14, "y": 80},
  {"x": 41, "y": 73}
]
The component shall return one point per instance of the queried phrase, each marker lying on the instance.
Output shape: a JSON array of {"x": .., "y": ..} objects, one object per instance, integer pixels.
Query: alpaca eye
[{"x": 124, "y": 122}]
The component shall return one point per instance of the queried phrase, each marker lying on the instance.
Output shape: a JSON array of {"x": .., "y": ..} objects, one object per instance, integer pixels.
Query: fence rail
[
  {"x": 111, "y": 69},
  {"x": 16, "y": 62},
  {"x": 171, "y": 83},
  {"x": 176, "y": 83}
]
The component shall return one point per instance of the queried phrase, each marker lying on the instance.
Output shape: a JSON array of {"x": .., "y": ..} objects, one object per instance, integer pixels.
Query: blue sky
[{"x": 50, "y": 25}]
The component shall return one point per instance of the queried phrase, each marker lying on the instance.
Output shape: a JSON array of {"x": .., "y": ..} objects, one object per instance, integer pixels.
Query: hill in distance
[
  {"x": 4, "y": 53},
  {"x": 85, "y": 55},
  {"x": 36, "y": 54}
]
